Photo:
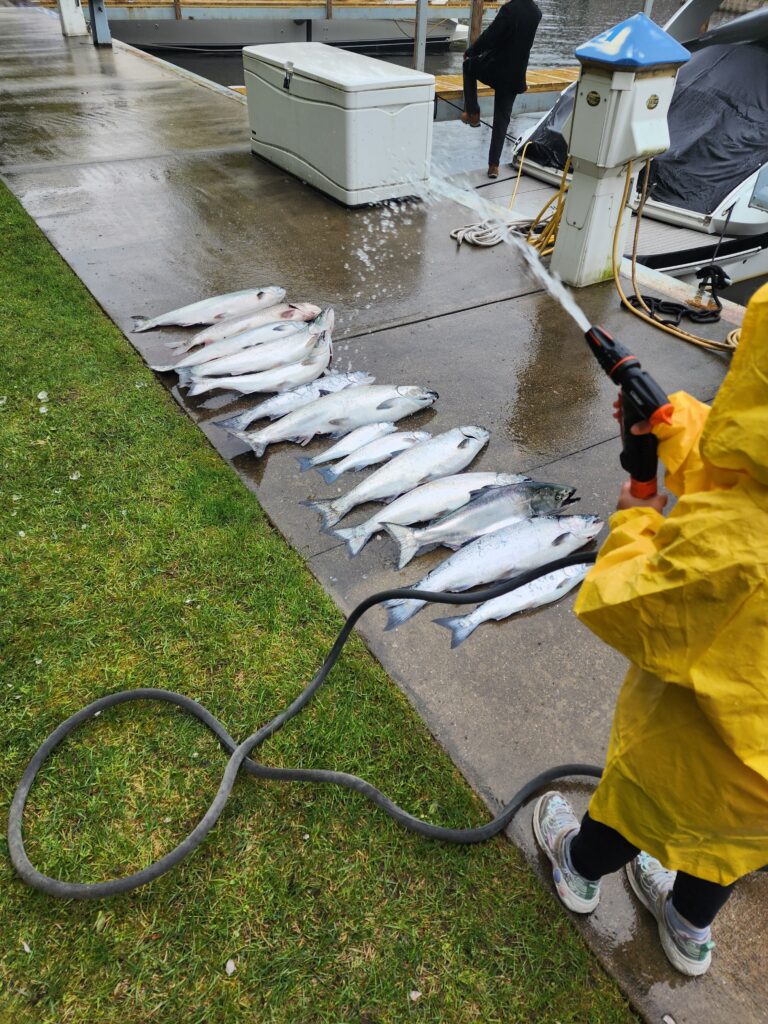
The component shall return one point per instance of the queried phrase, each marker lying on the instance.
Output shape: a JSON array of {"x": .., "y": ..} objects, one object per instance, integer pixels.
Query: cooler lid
[{"x": 349, "y": 72}]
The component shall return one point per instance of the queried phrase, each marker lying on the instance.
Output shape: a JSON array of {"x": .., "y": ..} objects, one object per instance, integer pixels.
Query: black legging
[
  {"x": 599, "y": 850},
  {"x": 503, "y": 101}
]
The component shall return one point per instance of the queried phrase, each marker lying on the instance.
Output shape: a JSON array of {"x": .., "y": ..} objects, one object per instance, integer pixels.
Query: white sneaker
[
  {"x": 652, "y": 884},
  {"x": 554, "y": 823}
]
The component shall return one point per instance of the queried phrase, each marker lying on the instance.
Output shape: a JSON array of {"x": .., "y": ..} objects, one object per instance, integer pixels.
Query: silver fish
[
  {"x": 377, "y": 451},
  {"x": 274, "y": 331},
  {"x": 484, "y": 514},
  {"x": 525, "y": 545},
  {"x": 265, "y": 354},
  {"x": 252, "y": 360},
  {"x": 426, "y": 502},
  {"x": 357, "y": 439},
  {"x": 281, "y": 378},
  {"x": 283, "y": 312},
  {"x": 340, "y": 413},
  {"x": 218, "y": 307},
  {"x": 280, "y": 405},
  {"x": 544, "y": 590},
  {"x": 445, "y": 454}
]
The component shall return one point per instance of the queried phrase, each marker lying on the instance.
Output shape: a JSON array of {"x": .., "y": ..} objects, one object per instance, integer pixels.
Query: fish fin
[
  {"x": 328, "y": 473},
  {"x": 356, "y": 538},
  {"x": 465, "y": 443},
  {"x": 326, "y": 509},
  {"x": 230, "y": 423},
  {"x": 399, "y": 612},
  {"x": 304, "y": 463},
  {"x": 142, "y": 323},
  {"x": 386, "y": 404},
  {"x": 458, "y": 627},
  {"x": 258, "y": 447},
  {"x": 403, "y": 536},
  {"x": 560, "y": 540}
]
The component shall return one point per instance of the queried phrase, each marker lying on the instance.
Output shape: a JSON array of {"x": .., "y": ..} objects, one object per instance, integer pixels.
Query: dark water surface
[{"x": 564, "y": 26}]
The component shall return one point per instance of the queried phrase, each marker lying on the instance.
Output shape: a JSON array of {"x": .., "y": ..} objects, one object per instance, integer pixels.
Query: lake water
[{"x": 564, "y": 26}]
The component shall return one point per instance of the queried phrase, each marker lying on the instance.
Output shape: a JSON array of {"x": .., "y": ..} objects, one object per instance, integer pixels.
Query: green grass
[{"x": 145, "y": 562}]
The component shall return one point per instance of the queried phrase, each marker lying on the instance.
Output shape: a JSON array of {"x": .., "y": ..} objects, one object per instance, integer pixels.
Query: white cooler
[{"x": 355, "y": 127}]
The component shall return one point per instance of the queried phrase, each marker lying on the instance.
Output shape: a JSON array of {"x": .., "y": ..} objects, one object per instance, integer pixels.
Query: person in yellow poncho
[{"x": 685, "y": 599}]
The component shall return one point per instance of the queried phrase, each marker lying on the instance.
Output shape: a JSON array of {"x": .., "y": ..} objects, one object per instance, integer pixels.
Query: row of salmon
[{"x": 498, "y": 524}]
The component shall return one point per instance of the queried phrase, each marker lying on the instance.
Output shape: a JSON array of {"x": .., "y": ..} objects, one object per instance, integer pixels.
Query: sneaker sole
[
  {"x": 567, "y": 898},
  {"x": 682, "y": 963}
]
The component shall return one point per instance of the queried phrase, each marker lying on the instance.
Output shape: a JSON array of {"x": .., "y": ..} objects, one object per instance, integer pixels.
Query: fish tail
[
  {"x": 459, "y": 628},
  {"x": 230, "y": 423},
  {"x": 258, "y": 447},
  {"x": 328, "y": 473},
  {"x": 142, "y": 323},
  {"x": 327, "y": 509},
  {"x": 305, "y": 462},
  {"x": 400, "y": 611},
  {"x": 186, "y": 376},
  {"x": 199, "y": 385},
  {"x": 355, "y": 539},
  {"x": 405, "y": 538}
]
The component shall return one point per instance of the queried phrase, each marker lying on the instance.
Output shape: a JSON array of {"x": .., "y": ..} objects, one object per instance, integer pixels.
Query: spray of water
[{"x": 439, "y": 187}]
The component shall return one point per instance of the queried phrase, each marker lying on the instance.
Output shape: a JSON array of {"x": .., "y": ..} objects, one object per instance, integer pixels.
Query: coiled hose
[{"x": 240, "y": 759}]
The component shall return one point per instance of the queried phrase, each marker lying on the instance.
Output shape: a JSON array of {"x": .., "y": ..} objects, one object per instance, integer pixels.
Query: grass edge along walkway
[{"x": 133, "y": 556}]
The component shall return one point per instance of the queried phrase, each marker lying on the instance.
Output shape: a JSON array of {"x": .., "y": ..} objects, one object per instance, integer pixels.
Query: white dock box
[{"x": 355, "y": 127}]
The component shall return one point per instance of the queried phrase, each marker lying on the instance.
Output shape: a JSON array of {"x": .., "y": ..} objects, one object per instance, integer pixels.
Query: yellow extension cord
[
  {"x": 486, "y": 234},
  {"x": 731, "y": 340}
]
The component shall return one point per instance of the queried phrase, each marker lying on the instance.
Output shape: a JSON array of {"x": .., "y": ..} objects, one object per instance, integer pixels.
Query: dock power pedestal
[
  {"x": 355, "y": 127},
  {"x": 619, "y": 115}
]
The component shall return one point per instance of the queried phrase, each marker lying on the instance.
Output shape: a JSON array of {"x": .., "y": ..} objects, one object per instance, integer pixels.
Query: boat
[
  {"x": 708, "y": 193},
  {"x": 222, "y": 34}
]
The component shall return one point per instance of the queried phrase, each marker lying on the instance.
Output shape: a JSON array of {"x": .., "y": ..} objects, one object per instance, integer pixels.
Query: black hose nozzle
[{"x": 641, "y": 399}]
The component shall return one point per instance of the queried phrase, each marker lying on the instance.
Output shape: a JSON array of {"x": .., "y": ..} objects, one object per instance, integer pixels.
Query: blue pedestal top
[{"x": 633, "y": 45}]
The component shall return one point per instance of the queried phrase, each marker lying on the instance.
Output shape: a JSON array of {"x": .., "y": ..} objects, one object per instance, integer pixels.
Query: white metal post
[
  {"x": 648, "y": 8},
  {"x": 71, "y": 18},
  {"x": 420, "y": 38}
]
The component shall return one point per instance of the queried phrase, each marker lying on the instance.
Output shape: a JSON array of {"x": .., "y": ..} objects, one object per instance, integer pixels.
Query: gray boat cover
[{"x": 718, "y": 125}]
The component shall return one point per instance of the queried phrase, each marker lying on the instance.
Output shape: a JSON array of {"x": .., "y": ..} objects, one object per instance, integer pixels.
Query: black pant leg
[
  {"x": 698, "y": 900},
  {"x": 503, "y": 101},
  {"x": 470, "y": 88},
  {"x": 599, "y": 850}
]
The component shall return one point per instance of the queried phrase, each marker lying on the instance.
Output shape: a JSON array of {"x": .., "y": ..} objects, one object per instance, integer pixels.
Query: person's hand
[{"x": 628, "y": 500}]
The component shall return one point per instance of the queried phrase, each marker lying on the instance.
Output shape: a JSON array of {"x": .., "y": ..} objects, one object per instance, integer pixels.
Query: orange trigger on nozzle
[{"x": 662, "y": 415}]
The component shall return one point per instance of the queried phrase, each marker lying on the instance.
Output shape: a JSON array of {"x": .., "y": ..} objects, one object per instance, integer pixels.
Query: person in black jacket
[{"x": 499, "y": 58}]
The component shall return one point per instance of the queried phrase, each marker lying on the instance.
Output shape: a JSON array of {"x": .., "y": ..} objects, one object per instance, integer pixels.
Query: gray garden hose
[{"x": 240, "y": 759}]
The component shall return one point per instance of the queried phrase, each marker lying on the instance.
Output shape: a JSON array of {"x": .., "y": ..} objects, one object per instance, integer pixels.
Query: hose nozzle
[{"x": 641, "y": 399}]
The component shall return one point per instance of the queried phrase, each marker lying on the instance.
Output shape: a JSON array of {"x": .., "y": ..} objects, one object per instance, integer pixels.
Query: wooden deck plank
[
  {"x": 539, "y": 80},
  {"x": 450, "y": 86}
]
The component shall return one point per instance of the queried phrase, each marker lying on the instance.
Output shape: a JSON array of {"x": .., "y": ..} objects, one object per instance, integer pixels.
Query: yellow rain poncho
[{"x": 685, "y": 599}]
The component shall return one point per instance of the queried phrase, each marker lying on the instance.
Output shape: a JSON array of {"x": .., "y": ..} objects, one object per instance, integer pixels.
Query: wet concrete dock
[{"x": 144, "y": 181}]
